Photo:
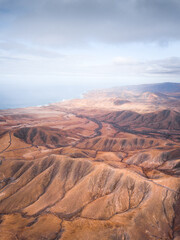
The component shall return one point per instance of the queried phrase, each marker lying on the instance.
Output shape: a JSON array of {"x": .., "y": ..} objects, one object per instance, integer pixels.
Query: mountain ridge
[{"x": 103, "y": 167}]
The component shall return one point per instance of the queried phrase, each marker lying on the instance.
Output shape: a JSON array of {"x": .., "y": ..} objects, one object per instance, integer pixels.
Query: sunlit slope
[
  {"x": 103, "y": 167},
  {"x": 79, "y": 192}
]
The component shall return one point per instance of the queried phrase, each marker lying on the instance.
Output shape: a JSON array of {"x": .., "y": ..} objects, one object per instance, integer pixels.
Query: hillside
[{"x": 103, "y": 167}]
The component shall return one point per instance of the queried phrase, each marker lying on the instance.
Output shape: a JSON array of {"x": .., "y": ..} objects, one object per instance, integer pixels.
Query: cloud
[
  {"x": 77, "y": 22},
  {"x": 168, "y": 66},
  {"x": 21, "y": 51},
  {"x": 74, "y": 41},
  {"x": 125, "y": 61}
]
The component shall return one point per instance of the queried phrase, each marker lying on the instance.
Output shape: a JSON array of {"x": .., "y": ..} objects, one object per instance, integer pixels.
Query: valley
[{"x": 103, "y": 167}]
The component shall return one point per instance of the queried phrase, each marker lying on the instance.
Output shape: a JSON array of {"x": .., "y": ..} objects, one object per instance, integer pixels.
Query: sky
[{"x": 89, "y": 43}]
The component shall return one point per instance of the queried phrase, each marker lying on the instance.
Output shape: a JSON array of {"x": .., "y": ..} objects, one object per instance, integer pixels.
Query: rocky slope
[{"x": 78, "y": 171}]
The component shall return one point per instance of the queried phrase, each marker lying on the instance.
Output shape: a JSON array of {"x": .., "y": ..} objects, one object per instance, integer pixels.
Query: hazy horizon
[
  {"x": 21, "y": 96},
  {"x": 79, "y": 45}
]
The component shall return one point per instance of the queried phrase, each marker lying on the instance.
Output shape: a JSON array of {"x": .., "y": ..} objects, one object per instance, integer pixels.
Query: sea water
[{"x": 26, "y": 96}]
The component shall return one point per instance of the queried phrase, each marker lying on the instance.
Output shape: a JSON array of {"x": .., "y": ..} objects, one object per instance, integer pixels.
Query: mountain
[
  {"x": 125, "y": 91},
  {"x": 103, "y": 167}
]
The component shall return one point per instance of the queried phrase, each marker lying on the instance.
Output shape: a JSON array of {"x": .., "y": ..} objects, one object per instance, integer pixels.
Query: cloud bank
[
  {"x": 70, "y": 22},
  {"x": 99, "y": 42}
]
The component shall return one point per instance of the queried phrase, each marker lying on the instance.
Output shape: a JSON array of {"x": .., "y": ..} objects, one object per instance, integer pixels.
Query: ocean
[{"x": 21, "y": 96}]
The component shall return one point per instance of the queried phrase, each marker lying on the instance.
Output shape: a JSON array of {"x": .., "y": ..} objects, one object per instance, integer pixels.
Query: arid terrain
[{"x": 105, "y": 167}]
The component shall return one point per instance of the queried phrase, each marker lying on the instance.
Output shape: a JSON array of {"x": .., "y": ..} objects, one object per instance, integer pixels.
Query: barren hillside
[{"x": 103, "y": 167}]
